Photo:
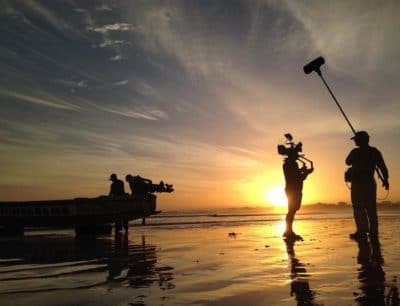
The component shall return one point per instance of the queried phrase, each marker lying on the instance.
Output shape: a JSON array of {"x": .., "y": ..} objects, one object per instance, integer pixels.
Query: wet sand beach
[{"x": 205, "y": 264}]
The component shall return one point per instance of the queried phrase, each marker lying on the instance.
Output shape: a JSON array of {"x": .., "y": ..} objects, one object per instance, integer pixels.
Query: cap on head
[
  {"x": 113, "y": 177},
  {"x": 361, "y": 135}
]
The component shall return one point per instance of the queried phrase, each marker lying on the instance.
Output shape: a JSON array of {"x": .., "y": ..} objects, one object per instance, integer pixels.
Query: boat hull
[{"x": 75, "y": 213}]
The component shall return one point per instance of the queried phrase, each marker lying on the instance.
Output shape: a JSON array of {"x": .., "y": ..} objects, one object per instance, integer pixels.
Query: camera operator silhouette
[{"x": 294, "y": 177}]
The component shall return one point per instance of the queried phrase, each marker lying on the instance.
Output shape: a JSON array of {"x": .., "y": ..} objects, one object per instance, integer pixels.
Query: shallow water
[{"x": 223, "y": 263}]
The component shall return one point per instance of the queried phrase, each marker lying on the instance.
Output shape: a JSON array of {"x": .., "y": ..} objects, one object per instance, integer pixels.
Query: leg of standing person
[
  {"x": 290, "y": 214},
  {"x": 294, "y": 201},
  {"x": 289, "y": 222},
  {"x": 359, "y": 211},
  {"x": 372, "y": 209}
]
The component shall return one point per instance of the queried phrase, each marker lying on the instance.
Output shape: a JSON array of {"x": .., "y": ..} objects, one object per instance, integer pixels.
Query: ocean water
[
  {"x": 227, "y": 217},
  {"x": 227, "y": 257}
]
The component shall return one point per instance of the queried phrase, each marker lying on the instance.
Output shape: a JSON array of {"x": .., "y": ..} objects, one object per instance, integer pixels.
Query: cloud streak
[
  {"x": 111, "y": 28},
  {"x": 43, "y": 100}
]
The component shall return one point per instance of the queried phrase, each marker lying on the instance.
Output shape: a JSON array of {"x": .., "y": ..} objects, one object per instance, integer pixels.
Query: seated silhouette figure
[
  {"x": 143, "y": 186},
  {"x": 117, "y": 186}
]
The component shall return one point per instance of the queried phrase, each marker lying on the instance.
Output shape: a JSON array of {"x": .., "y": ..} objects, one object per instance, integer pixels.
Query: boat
[{"x": 85, "y": 215}]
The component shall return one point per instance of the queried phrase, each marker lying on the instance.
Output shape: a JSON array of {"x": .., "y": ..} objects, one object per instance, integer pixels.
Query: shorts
[{"x": 294, "y": 199}]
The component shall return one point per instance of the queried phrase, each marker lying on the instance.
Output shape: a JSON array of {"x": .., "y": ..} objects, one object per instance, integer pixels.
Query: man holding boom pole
[{"x": 364, "y": 160}]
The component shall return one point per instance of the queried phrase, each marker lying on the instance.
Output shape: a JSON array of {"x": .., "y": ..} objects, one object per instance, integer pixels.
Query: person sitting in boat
[
  {"x": 139, "y": 185},
  {"x": 117, "y": 186}
]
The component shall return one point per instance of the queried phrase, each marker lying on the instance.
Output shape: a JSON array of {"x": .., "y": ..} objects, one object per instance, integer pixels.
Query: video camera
[{"x": 289, "y": 147}]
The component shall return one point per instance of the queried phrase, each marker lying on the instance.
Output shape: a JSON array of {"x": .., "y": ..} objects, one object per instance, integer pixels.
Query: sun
[{"x": 275, "y": 196}]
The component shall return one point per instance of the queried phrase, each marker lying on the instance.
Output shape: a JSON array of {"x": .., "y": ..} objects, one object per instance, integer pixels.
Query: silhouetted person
[
  {"x": 129, "y": 180},
  {"x": 117, "y": 186},
  {"x": 300, "y": 286},
  {"x": 139, "y": 185},
  {"x": 363, "y": 161},
  {"x": 294, "y": 177},
  {"x": 117, "y": 189}
]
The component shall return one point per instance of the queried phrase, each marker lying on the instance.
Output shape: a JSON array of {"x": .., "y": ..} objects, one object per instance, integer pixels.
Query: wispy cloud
[
  {"x": 147, "y": 89},
  {"x": 111, "y": 28},
  {"x": 81, "y": 83},
  {"x": 135, "y": 112},
  {"x": 103, "y": 7},
  {"x": 41, "y": 99},
  {"x": 166, "y": 29},
  {"x": 118, "y": 57},
  {"x": 140, "y": 113},
  {"x": 113, "y": 43},
  {"x": 80, "y": 10},
  {"x": 120, "y": 83},
  {"x": 9, "y": 10},
  {"x": 56, "y": 20},
  {"x": 356, "y": 36}
]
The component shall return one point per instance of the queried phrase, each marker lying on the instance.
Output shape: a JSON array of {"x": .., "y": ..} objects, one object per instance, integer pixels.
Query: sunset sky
[{"x": 196, "y": 93}]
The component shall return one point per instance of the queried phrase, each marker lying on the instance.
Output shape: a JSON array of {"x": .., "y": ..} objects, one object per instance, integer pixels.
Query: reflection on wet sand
[
  {"x": 299, "y": 286},
  {"x": 372, "y": 277},
  {"x": 141, "y": 261},
  {"x": 95, "y": 261}
]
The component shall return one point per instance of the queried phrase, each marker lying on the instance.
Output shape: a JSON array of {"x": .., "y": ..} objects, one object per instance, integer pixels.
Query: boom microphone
[{"x": 314, "y": 65}]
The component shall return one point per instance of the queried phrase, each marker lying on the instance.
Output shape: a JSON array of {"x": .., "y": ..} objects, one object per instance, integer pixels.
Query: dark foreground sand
[{"x": 205, "y": 266}]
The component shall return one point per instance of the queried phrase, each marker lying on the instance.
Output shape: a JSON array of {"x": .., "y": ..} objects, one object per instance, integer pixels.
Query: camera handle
[{"x": 302, "y": 159}]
